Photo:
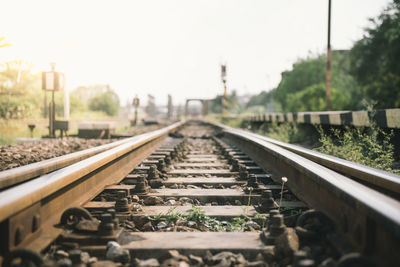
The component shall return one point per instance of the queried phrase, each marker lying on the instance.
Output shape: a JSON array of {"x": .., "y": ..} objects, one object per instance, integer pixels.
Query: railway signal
[
  {"x": 52, "y": 81},
  {"x": 224, "y": 99},
  {"x": 136, "y": 103}
]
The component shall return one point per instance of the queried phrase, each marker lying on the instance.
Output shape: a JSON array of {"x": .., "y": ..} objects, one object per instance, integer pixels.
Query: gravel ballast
[{"x": 12, "y": 156}]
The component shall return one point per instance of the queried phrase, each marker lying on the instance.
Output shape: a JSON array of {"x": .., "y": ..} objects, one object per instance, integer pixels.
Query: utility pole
[
  {"x": 52, "y": 116},
  {"x": 328, "y": 61},
  {"x": 170, "y": 108},
  {"x": 136, "y": 103},
  {"x": 225, "y": 98}
]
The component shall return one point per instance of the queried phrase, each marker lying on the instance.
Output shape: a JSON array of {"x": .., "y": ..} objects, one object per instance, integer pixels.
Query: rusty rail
[
  {"x": 30, "y": 210},
  {"x": 370, "y": 220},
  {"x": 385, "y": 182},
  {"x": 21, "y": 174}
]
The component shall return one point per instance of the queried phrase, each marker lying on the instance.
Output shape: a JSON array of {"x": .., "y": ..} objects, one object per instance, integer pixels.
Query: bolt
[
  {"x": 154, "y": 180},
  {"x": 106, "y": 218},
  {"x": 168, "y": 160},
  {"x": 275, "y": 229},
  {"x": 121, "y": 194},
  {"x": 114, "y": 220},
  {"x": 75, "y": 256},
  {"x": 106, "y": 226},
  {"x": 142, "y": 186},
  {"x": 277, "y": 226},
  {"x": 161, "y": 165},
  {"x": 112, "y": 212},
  {"x": 272, "y": 213},
  {"x": 253, "y": 182},
  {"x": 152, "y": 173},
  {"x": 235, "y": 165},
  {"x": 267, "y": 201},
  {"x": 243, "y": 173},
  {"x": 122, "y": 205}
]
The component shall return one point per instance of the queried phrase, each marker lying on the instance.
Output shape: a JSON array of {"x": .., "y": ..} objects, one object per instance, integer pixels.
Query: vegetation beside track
[{"x": 370, "y": 146}]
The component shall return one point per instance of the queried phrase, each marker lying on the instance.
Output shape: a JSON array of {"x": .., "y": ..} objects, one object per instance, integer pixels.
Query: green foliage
[
  {"x": 20, "y": 93},
  {"x": 76, "y": 105},
  {"x": 261, "y": 219},
  {"x": 303, "y": 88},
  {"x": 313, "y": 98},
  {"x": 285, "y": 132},
  {"x": 196, "y": 214},
  {"x": 375, "y": 58},
  {"x": 261, "y": 99},
  {"x": 360, "y": 145},
  {"x": 233, "y": 103},
  {"x": 107, "y": 102},
  {"x": 234, "y": 122},
  {"x": 305, "y": 73},
  {"x": 173, "y": 216},
  {"x": 237, "y": 224}
]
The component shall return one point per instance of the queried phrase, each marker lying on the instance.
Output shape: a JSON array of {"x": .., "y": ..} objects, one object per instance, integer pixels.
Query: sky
[{"x": 163, "y": 47}]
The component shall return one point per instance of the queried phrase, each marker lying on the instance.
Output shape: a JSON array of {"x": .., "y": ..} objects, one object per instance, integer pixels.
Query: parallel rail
[{"x": 369, "y": 219}]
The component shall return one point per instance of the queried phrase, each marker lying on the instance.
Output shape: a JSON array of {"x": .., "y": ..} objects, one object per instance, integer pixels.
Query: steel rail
[
  {"x": 24, "y": 173},
  {"x": 383, "y": 181},
  {"x": 41, "y": 201},
  {"x": 369, "y": 219}
]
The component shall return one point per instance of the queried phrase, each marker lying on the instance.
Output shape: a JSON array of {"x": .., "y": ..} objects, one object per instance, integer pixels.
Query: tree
[
  {"x": 20, "y": 93},
  {"x": 375, "y": 58},
  {"x": 85, "y": 93},
  {"x": 262, "y": 99},
  {"x": 107, "y": 102},
  {"x": 233, "y": 103},
  {"x": 302, "y": 88},
  {"x": 76, "y": 104}
]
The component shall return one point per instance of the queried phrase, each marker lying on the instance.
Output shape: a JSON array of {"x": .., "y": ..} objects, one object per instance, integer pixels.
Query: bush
[
  {"x": 360, "y": 145},
  {"x": 285, "y": 132},
  {"x": 107, "y": 102}
]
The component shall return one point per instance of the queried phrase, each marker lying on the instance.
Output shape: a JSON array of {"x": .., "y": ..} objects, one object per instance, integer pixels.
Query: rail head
[{"x": 24, "y": 173}]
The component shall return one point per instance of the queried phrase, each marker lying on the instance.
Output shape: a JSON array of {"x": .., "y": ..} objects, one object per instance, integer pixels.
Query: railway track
[{"x": 197, "y": 194}]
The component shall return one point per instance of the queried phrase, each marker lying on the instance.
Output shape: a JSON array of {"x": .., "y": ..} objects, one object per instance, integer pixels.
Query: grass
[
  {"x": 13, "y": 128},
  {"x": 287, "y": 132},
  {"x": 232, "y": 122},
  {"x": 196, "y": 214},
  {"x": 367, "y": 146},
  {"x": 370, "y": 146}
]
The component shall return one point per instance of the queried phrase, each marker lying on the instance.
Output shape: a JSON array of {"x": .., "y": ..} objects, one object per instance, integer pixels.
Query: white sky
[{"x": 176, "y": 47}]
